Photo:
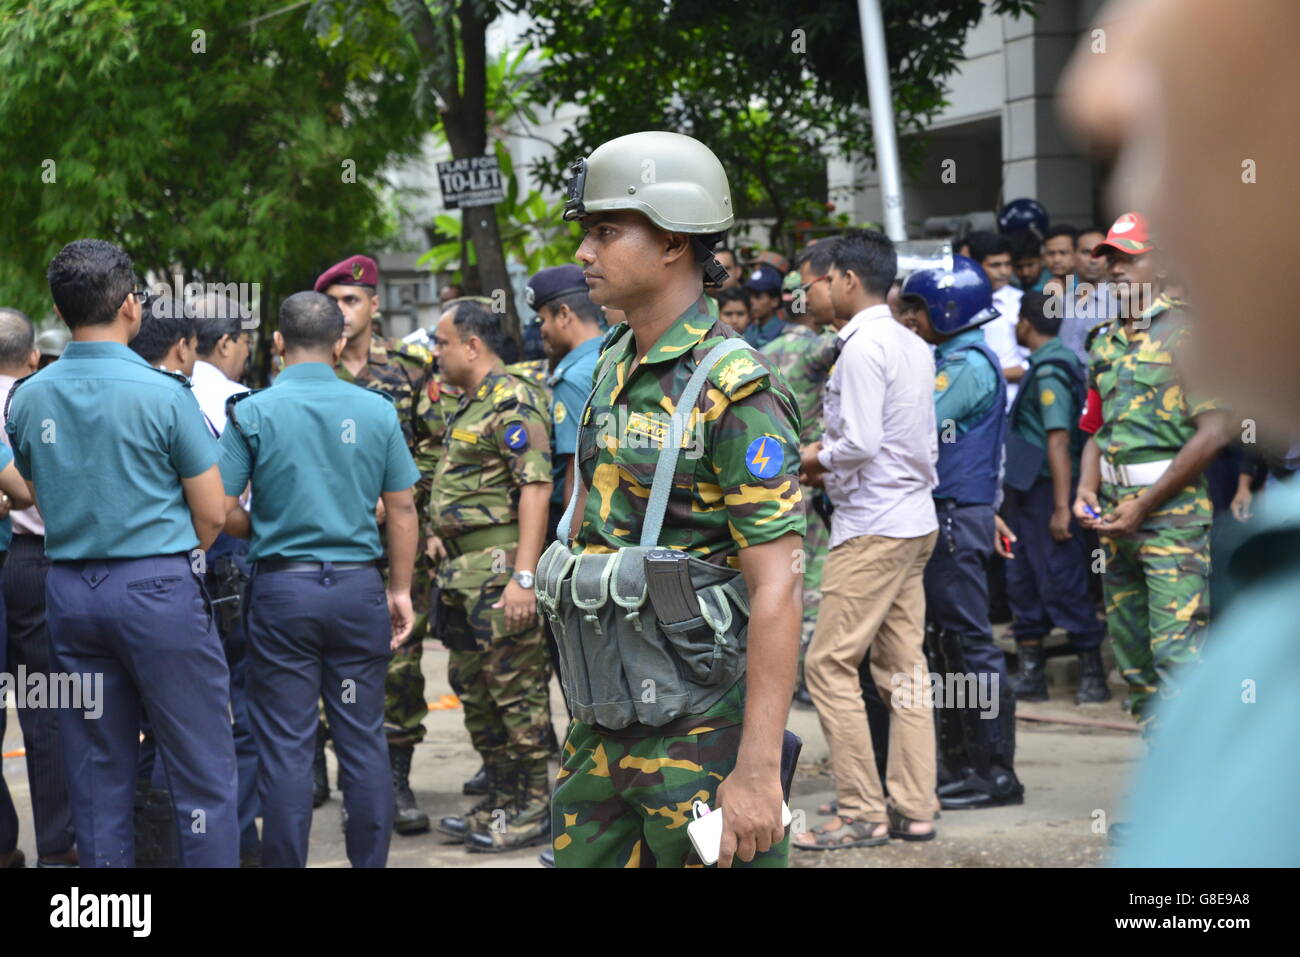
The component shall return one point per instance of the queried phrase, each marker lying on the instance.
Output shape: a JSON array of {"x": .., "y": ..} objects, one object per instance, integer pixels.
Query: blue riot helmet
[
  {"x": 1022, "y": 214},
  {"x": 957, "y": 299}
]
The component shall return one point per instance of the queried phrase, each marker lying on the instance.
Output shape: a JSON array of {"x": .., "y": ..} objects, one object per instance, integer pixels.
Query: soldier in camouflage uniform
[
  {"x": 804, "y": 354},
  {"x": 488, "y": 510},
  {"x": 624, "y": 797},
  {"x": 404, "y": 372},
  {"x": 1147, "y": 461}
]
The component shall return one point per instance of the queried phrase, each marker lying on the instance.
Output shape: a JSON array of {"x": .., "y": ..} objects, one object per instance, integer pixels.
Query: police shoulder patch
[
  {"x": 561, "y": 413},
  {"x": 1047, "y": 397},
  {"x": 941, "y": 382},
  {"x": 765, "y": 456},
  {"x": 736, "y": 370},
  {"x": 516, "y": 436},
  {"x": 174, "y": 375}
]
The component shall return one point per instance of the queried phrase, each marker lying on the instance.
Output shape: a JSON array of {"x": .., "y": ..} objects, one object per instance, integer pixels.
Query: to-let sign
[{"x": 475, "y": 181}]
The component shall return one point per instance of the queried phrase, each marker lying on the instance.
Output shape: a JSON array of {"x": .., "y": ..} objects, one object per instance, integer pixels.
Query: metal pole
[{"x": 882, "y": 117}]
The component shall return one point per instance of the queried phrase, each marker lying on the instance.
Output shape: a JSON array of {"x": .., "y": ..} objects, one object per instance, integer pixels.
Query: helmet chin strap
[{"x": 715, "y": 274}]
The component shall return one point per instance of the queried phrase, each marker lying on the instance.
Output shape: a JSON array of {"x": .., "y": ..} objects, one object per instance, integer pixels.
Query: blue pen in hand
[{"x": 1092, "y": 511}]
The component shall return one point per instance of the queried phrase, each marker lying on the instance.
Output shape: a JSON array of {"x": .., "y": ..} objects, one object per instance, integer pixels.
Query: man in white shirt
[
  {"x": 993, "y": 253},
  {"x": 877, "y": 463},
  {"x": 222, "y": 354}
]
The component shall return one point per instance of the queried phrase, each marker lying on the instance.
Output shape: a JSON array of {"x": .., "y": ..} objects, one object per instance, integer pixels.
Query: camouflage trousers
[
  {"x": 502, "y": 678},
  {"x": 626, "y": 801},
  {"x": 816, "y": 544},
  {"x": 1156, "y": 584},
  {"x": 405, "y": 707}
]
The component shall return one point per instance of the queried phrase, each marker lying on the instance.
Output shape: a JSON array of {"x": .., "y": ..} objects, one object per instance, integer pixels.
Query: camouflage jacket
[
  {"x": 1146, "y": 416},
  {"x": 737, "y": 475},
  {"x": 536, "y": 371},
  {"x": 805, "y": 358},
  {"x": 404, "y": 373},
  {"x": 497, "y": 439}
]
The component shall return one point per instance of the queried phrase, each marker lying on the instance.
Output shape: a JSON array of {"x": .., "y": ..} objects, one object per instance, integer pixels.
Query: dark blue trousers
[
  {"x": 957, "y": 592},
  {"x": 143, "y": 624},
  {"x": 235, "y": 641},
  {"x": 320, "y": 635},
  {"x": 1047, "y": 581},
  {"x": 28, "y": 647}
]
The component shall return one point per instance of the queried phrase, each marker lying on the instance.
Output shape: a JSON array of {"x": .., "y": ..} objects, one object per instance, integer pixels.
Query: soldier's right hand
[
  {"x": 435, "y": 549},
  {"x": 402, "y": 616},
  {"x": 1084, "y": 499}
]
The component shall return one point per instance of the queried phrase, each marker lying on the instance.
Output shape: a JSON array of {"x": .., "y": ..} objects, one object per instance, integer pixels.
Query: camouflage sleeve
[
  {"x": 753, "y": 444},
  {"x": 522, "y": 433}
]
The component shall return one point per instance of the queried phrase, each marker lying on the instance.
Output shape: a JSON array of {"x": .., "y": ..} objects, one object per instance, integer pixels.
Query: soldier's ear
[
  {"x": 277, "y": 343},
  {"x": 675, "y": 245}
]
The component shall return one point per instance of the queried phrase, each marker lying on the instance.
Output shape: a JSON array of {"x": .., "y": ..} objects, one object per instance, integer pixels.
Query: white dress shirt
[
  {"x": 1000, "y": 334},
  {"x": 881, "y": 444},
  {"x": 211, "y": 388}
]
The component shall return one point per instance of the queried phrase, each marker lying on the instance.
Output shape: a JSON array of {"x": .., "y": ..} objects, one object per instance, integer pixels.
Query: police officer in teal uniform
[
  {"x": 123, "y": 537},
  {"x": 320, "y": 452},
  {"x": 571, "y": 327},
  {"x": 976, "y": 745}
]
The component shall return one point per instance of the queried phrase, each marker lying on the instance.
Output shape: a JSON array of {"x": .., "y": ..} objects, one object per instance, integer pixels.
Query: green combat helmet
[{"x": 673, "y": 180}]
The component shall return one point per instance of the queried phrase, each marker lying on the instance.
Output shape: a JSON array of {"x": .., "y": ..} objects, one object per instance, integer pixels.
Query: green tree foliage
[
  {"x": 770, "y": 85},
  {"x": 218, "y": 136}
]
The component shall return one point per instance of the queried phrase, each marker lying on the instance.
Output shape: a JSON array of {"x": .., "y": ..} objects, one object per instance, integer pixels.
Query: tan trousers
[{"x": 873, "y": 605}]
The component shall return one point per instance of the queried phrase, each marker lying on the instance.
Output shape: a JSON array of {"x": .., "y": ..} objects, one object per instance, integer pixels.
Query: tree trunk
[{"x": 464, "y": 118}]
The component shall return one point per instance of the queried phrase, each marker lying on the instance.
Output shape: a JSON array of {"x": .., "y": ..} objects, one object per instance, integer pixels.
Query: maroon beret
[{"x": 353, "y": 271}]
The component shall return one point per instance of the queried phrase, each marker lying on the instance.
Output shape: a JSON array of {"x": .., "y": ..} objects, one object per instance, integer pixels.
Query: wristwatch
[{"x": 523, "y": 579}]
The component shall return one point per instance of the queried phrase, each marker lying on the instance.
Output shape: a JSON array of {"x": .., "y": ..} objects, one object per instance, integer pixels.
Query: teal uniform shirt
[
  {"x": 966, "y": 386},
  {"x": 106, "y": 439},
  {"x": 319, "y": 452},
  {"x": 6, "y": 523},
  {"x": 1053, "y": 402},
  {"x": 570, "y": 385},
  {"x": 1221, "y": 784}
]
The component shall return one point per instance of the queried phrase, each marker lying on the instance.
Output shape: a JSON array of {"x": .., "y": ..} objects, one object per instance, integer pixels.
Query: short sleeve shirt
[
  {"x": 142, "y": 430},
  {"x": 965, "y": 383},
  {"x": 1146, "y": 415},
  {"x": 319, "y": 453},
  {"x": 570, "y": 385},
  {"x": 1052, "y": 402},
  {"x": 737, "y": 477},
  {"x": 498, "y": 440}
]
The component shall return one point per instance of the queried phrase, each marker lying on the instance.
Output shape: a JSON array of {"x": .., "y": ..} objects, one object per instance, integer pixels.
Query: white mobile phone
[{"x": 705, "y": 831}]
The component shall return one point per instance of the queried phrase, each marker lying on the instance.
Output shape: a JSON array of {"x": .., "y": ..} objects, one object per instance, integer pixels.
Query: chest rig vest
[{"x": 619, "y": 664}]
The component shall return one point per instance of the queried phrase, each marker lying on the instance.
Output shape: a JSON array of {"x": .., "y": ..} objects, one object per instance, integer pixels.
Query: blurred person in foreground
[{"x": 1222, "y": 787}]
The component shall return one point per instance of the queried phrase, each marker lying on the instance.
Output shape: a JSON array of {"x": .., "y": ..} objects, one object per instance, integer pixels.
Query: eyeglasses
[
  {"x": 142, "y": 295},
  {"x": 803, "y": 287}
]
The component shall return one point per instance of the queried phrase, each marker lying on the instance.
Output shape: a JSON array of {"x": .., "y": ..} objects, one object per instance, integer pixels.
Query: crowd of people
[{"x": 1007, "y": 426}]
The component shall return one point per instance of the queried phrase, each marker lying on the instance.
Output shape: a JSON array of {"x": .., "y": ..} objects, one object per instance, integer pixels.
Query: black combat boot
[
  {"x": 498, "y": 793},
  {"x": 320, "y": 792},
  {"x": 992, "y": 782},
  {"x": 528, "y": 819},
  {"x": 407, "y": 817},
  {"x": 1031, "y": 680},
  {"x": 478, "y": 784},
  {"x": 1092, "y": 678}
]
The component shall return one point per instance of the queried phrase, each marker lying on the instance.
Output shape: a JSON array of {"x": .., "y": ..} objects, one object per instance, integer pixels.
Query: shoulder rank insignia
[{"x": 179, "y": 377}]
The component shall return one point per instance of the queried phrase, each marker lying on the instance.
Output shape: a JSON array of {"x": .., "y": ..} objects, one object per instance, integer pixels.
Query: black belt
[{"x": 284, "y": 565}]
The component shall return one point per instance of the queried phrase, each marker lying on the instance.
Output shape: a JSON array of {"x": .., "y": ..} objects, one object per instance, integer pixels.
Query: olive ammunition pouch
[{"x": 619, "y": 663}]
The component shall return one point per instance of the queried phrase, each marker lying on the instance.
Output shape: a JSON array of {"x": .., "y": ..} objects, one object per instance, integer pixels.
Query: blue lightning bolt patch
[
  {"x": 764, "y": 457},
  {"x": 516, "y": 437}
]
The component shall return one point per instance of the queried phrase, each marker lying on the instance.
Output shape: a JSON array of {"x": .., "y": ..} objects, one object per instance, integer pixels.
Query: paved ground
[{"x": 1073, "y": 777}]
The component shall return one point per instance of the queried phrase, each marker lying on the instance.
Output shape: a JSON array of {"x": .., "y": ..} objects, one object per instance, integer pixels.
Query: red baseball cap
[
  {"x": 1128, "y": 235},
  {"x": 353, "y": 271}
]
